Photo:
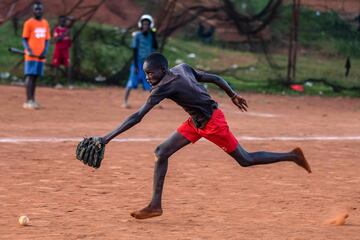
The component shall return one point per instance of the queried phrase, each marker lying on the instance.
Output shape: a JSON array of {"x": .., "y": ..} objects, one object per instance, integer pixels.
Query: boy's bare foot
[
  {"x": 301, "y": 161},
  {"x": 147, "y": 212}
]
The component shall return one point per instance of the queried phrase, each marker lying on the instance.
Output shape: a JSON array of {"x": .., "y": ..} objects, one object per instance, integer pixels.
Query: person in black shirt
[{"x": 182, "y": 84}]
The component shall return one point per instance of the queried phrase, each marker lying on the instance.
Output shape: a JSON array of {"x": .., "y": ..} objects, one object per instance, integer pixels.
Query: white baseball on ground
[{"x": 24, "y": 220}]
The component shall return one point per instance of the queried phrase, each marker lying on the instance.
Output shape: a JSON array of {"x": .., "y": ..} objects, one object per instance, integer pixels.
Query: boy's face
[
  {"x": 145, "y": 25},
  {"x": 38, "y": 11},
  {"x": 62, "y": 21},
  {"x": 154, "y": 74}
]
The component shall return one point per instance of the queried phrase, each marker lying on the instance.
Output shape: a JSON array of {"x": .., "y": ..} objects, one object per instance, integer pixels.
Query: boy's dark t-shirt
[{"x": 182, "y": 86}]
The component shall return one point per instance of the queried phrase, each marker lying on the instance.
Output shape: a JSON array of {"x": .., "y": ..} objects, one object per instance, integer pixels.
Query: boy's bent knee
[
  {"x": 161, "y": 153},
  {"x": 242, "y": 158},
  {"x": 244, "y": 163}
]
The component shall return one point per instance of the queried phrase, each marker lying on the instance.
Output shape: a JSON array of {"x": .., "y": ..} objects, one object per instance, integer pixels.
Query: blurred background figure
[
  {"x": 36, "y": 36},
  {"x": 358, "y": 20},
  {"x": 206, "y": 34},
  {"x": 61, "y": 55},
  {"x": 347, "y": 66},
  {"x": 15, "y": 23},
  {"x": 143, "y": 44}
]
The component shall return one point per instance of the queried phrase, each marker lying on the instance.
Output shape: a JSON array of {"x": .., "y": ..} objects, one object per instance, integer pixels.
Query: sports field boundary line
[{"x": 158, "y": 139}]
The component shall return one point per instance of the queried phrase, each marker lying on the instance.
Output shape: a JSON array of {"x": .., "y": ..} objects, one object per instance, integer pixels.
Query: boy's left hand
[
  {"x": 91, "y": 151},
  {"x": 240, "y": 102}
]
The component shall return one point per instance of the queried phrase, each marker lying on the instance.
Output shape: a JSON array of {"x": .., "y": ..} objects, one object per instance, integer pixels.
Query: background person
[
  {"x": 36, "y": 36},
  {"x": 143, "y": 44},
  {"x": 61, "y": 55}
]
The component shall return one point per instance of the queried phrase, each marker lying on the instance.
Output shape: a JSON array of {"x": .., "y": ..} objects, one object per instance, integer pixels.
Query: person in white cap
[{"x": 143, "y": 44}]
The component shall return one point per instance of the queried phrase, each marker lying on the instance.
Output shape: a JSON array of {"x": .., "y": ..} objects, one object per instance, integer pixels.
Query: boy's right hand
[
  {"x": 240, "y": 102},
  {"x": 29, "y": 52}
]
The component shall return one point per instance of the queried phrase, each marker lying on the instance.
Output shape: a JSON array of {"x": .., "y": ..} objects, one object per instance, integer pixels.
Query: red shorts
[
  {"x": 61, "y": 57},
  {"x": 216, "y": 131}
]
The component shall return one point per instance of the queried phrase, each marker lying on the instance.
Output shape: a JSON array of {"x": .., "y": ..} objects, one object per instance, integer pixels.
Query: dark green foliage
[
  {"x": 323, "y": 31},
  {"x": 101, "y": 50}
]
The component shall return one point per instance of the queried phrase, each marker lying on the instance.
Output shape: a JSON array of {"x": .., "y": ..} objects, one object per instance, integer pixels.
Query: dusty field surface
[{"x": 207, "y": 195}]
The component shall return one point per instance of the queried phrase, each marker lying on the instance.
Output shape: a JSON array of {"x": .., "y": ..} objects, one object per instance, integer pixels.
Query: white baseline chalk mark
[
  {"x": 157, "y": 139},
  {"x": 250, "y": 113},
  {"x": 258, "y": 114}
]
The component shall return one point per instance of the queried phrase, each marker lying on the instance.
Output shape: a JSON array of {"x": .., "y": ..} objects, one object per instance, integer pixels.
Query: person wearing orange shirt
[{"x": 36, "y": 36}]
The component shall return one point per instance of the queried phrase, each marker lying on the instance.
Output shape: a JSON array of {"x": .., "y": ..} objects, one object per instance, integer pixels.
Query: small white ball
[{"x": 24, "y": 220}]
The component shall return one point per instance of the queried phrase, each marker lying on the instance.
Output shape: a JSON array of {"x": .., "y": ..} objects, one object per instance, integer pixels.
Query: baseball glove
[{"x": 91, "y": 151}]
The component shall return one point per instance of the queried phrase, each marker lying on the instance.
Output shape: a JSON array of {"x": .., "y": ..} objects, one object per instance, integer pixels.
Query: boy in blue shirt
[{"x": 143, "y": 44}]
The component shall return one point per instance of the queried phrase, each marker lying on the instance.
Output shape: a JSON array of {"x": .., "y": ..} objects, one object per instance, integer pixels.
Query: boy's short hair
[
  {"x": 37, "y": 3},
  {"x": 157, "y": 60}
]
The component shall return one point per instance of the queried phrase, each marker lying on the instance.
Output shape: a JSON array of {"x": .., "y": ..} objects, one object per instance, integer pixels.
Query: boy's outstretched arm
[
  {"x": 132, "y": 120},
  {"x": 219, "y": 81}
]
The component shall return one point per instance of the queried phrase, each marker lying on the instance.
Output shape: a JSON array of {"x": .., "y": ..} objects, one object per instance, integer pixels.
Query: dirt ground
[{"x": 207, "y": 195}]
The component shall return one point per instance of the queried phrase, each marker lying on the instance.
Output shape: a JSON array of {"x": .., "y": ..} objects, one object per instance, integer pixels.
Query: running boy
[
  {"x": 36, "y": 35},
  {"x": 143, "y": 44},
  {"x": 182, "y": 85}
]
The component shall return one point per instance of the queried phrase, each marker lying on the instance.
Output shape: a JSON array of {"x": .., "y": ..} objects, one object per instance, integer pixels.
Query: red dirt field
[{"x": 207, "y": 195}]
